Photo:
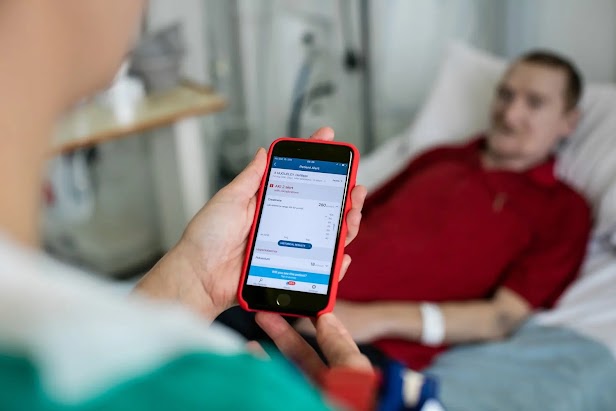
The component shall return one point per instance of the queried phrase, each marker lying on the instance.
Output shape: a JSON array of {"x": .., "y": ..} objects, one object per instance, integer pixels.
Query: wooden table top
[{"x": 95, "y": 122}]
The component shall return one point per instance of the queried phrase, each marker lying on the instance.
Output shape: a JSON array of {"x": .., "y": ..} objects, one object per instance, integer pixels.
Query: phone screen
[{"x": 299, "y": 225}]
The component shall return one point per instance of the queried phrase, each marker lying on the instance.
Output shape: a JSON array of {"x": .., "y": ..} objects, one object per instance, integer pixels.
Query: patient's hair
[{"x": 550, "y": 59}]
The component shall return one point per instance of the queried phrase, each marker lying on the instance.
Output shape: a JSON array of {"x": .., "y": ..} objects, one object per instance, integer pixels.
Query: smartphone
[{"x": 296, "y": 244}]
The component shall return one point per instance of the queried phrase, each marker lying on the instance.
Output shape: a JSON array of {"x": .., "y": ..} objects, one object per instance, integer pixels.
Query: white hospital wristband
[{"x": 433, "y": 324}]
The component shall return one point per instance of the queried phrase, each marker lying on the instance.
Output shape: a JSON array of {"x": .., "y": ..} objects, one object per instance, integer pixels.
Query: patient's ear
[{"x": 572, "y": 118}]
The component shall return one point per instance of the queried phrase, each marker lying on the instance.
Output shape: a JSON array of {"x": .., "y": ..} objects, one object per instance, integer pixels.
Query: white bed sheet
[{"x": 589, "y": 304}]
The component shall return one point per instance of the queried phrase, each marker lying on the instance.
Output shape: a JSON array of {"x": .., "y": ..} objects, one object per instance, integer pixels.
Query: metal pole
[
  {"x": 226, "y": 59},
  {"x": 367, "y": 95}
]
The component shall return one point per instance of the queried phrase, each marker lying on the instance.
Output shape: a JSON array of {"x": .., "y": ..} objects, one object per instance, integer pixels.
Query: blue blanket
[{"x": 539, "y": 368}]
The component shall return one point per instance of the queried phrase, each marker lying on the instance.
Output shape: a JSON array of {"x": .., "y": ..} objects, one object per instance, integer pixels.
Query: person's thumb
[
  {"x": 337, "y": 344},
  {"x": 247, "y": 183}
]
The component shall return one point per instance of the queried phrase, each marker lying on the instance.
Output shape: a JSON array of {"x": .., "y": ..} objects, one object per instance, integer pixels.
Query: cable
[
  {"x": 300, "y": 87},
  {"x": 352, "y": 57},
  {"x": 367, "y": 97}
]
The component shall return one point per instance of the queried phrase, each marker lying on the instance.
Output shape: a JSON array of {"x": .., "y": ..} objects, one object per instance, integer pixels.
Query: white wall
[
  {"x": 191, "y": 14},
  {"x": 409, "y": 40},
  {"x": 583, "y": 30}
]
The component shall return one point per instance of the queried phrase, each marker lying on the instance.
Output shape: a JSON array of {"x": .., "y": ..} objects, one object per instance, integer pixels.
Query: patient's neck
[{"x": 491, "y": 161}]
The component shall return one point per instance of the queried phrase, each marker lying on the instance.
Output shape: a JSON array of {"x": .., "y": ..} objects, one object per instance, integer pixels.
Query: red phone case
[{"x": 343, "y": 231}]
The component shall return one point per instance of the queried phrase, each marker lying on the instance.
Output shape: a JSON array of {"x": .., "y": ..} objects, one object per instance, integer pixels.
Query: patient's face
[{"x": 529, "y": 115}]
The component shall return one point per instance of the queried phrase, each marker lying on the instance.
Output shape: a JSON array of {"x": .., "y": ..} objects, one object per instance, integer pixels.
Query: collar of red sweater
[{"x": 542, "y": 174}]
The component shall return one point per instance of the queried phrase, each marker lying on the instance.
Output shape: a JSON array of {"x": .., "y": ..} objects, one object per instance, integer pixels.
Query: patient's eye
[
  {"x": 534, "y": 101},
  {"x": 504, "y": 94}
]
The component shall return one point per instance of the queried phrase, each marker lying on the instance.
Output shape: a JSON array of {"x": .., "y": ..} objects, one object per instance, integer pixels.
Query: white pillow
[
  {"x": 383, "y": 163},
  {"x": 459, "y": 105},
  {"x": 588, "y": 162}
]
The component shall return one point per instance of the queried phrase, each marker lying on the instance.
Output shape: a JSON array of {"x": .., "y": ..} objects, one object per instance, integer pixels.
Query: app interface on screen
[{"x": 295, "y": 242}]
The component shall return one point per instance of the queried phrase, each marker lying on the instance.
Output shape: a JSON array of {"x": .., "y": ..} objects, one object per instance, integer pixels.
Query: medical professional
[{"x": 68, "y": 341}]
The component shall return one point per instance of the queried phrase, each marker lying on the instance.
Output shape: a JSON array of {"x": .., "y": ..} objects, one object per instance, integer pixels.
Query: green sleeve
[{"x": 199, "y": 381}]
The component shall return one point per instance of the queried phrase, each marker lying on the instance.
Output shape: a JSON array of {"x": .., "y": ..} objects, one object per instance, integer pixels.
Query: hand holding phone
[{"x": 296, "y": 244}]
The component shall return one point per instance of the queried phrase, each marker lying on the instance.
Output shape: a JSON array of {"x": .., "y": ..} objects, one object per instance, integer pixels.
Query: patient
[{"x": 466, "y": 242}]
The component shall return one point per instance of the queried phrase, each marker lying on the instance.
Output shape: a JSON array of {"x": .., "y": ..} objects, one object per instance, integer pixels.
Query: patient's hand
[{"x": 366, "y": 322}]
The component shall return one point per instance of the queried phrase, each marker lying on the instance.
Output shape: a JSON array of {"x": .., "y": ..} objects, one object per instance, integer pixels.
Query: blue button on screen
[{"x": 294, "y": 244}]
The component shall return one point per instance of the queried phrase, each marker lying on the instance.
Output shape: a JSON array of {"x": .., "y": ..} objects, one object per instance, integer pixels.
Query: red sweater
[{"x": 445, "y": 229}]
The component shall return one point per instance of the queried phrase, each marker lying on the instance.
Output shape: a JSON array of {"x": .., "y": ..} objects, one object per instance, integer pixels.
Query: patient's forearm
[
  {"x": 464, "y": 321},
  {"x": 478, "y": 321}
]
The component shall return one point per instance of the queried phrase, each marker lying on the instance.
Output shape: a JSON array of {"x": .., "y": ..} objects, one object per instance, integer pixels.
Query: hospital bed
[{"x": 563, "y": 358}]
